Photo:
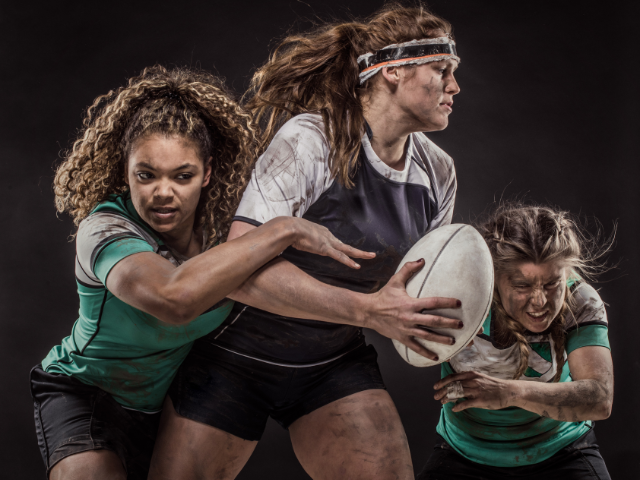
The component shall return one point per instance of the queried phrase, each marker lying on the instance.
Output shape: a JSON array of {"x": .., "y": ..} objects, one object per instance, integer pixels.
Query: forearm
[
  {"x": 178, "y": 295},
  {"x": 587, "y": 399},
  {"x": 282, "y": 288},
  {"x": 224, "y": 268}
]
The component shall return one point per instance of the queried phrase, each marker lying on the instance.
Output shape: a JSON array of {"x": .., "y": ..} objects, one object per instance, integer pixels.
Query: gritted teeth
[{"x": 537, "y": 315}]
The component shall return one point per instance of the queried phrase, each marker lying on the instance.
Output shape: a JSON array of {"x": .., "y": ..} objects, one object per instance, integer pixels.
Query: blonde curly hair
[{"x": 192, "y": 104}]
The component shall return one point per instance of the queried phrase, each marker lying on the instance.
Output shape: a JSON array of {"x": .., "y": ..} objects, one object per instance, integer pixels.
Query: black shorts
[
  {"x": 578, "y": 461},
  {"x": 72, "y": 417},
  {"x": 238, "y": 394}
]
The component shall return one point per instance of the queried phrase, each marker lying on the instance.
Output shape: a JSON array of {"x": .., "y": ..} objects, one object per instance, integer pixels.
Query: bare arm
[
  {"x": 282, "y": 288},
  {"x": 177, "y": 295},
  {"x": 588, "y": 397}
]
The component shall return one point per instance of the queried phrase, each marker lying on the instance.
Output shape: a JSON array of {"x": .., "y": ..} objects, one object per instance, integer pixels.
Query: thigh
[
  {"x": 447, "y": 464},
  {"x": 580, "y": 460},
  {"x": 356, "y": 437},
  {"x": 578, "y": 465},
  {"x": 186, "y": 449},
  {"x": 595, "y": 461},
  {"x": 89, "y": 465},
  {"x": 81, "y": 427},
  {"x": 226, "y": 391}
]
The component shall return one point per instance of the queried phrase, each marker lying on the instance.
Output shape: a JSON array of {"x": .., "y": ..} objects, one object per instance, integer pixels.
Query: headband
[{"x": 415, "y": 52}]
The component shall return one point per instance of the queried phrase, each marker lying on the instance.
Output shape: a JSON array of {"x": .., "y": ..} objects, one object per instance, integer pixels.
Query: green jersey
[
  {"x": 512, "y": 436},
  {"x": 124, "y": 351}
]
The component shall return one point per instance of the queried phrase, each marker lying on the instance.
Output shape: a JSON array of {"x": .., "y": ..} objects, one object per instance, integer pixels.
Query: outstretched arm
[
  {"x": 588, "y": 397},
  {"x": 177, "y": 295},
  {"x": 282, "y": 288}
]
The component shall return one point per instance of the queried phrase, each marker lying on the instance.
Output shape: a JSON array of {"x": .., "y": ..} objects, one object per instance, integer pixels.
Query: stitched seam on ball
[
  {"x": 486, "y": 311},
  {"x": 436, "y": 260}
]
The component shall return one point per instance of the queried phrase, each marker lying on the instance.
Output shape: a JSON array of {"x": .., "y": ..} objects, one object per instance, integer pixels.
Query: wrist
[
  {"x": 515, "y": 393},
  {"x": 288, "y": 229},
  {"x": 362, "y": 312}
]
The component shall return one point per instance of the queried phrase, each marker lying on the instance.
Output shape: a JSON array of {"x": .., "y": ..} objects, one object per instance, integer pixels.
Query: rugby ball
[{"x": 457, "y": 265}]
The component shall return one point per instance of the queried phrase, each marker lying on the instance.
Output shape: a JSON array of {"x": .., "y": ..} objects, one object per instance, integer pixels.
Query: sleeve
[
  {"x": 588, "y": 326},
  {"x": 103, "y": 240},
  {"x": 447, "y": 200},
  {"x": 444, "y": 177},
  {"x": 291, "y": 174}
]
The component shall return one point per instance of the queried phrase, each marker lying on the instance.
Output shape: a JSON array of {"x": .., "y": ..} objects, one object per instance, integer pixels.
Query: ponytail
[{"x": 318, "y": 72}]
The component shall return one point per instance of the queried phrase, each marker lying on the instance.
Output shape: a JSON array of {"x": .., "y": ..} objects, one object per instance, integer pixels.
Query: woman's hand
[
  {"x": 394, "y": 314},
  {"x": 313, "y": 238},
  {"x": 588, "y": 397},
  {"x": 284, "y": 289},
  {"x": 479, "y": 390}
]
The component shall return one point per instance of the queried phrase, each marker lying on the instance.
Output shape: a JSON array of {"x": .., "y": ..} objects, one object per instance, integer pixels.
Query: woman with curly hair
[
  {"x": 344, "y": 108},
  {"x": 540, "y": 372},
  {"x": 152, "y": 182}
]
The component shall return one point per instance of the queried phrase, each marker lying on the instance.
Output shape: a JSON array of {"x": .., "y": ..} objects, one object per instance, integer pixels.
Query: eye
[
  {"x": 185, "y": 176},
  {"x": 145, "y": 175},
  {"x": 552, "y": 285}
]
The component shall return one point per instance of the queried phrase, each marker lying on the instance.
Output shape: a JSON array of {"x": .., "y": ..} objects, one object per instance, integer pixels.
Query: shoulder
[
  {"x": 103, "y": 225},
  {"x": 432, "y": 154},
  {"x": 302, "y": 131},
  {"x": 587, "y": 307},
  {"x": 101, "y": 229},
  {"x": 299, "y": 147}
]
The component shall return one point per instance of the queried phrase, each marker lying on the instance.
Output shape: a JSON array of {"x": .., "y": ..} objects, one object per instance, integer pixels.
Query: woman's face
[
  {"x": 166, "y": 176},
  {"x": 425, "y": 94},
  {"x": 533, "y": 294}
]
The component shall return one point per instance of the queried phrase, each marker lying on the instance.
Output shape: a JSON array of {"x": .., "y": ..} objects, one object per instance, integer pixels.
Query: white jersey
[
  {"x": 386, "y": 212},
  {"x": 294, "y": 172}
]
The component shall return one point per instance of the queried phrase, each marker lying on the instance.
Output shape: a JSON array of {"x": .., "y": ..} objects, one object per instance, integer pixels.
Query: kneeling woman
[
  {"x": 153, "y": 182},
  {"x": 540, "y": 372}
]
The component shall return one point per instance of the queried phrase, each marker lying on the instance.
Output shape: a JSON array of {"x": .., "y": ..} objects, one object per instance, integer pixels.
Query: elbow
[
  {"x": 177, "y": 309},
  {"x": 176, "y": 316},
  {"x": 604, "y": 410}
]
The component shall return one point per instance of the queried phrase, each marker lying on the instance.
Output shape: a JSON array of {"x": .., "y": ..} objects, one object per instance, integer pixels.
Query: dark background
[{"x": 547, "y": 110}]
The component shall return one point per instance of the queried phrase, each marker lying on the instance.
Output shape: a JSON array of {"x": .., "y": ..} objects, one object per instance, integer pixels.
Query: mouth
[
  {"x": 537, "y": 316},
  {"x": 163, "y": 213},
  {"x": 447, "y": 105}
]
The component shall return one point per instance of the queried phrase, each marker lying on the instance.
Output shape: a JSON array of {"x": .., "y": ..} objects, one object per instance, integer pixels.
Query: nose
[
  {"x": 452, "y": 86},
  {"x": 538, "y": 298},
  {"x": 163, "y": 190}
]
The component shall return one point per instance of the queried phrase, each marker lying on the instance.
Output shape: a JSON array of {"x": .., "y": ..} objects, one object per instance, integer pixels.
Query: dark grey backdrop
[{"x": 547, "y": 109}]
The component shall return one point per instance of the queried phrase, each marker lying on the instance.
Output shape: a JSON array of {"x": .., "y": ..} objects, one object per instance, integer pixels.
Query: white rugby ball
[{"x": 457, "y": 265}]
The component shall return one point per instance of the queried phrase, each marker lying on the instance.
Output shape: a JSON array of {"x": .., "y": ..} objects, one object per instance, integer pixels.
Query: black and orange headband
[{"x": 415, "y": 52}]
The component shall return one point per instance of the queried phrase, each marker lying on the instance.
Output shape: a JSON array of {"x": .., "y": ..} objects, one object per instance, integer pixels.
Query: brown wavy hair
[
  {"x": 517, "y": 233},
  {"x": 317, "y": 72},
  {"x": 193, "y": 104}
]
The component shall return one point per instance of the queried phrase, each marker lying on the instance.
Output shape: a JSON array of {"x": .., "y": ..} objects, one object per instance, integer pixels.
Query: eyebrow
[
  {"x": 516, "y": 277},
  {"x": 150, "y": 167},
  {"x": 519, "y": 279}
]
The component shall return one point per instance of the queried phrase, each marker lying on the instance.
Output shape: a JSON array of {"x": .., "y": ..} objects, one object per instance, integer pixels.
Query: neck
[
  {"x": 390, "y": 129},
  {"x": 184, "y": 241}
]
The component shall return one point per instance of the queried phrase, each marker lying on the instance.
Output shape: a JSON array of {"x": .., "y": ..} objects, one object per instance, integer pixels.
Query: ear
[
  {"x": 391, "y": 75},
  {"x": 126, "y": 172},
  {"x": 207, "y": 172}
]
